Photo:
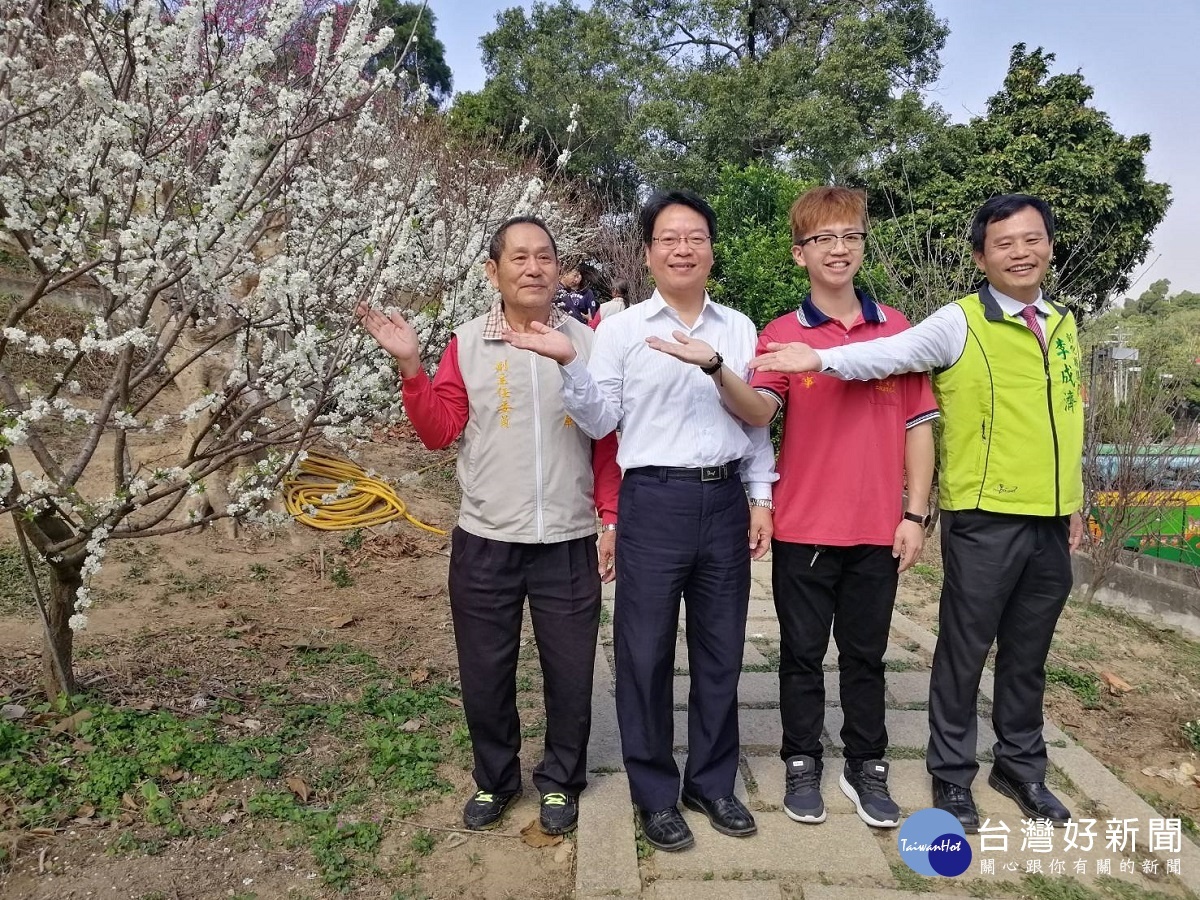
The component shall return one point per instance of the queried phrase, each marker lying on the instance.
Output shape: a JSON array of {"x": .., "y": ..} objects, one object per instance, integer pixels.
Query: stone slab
[
  {"x": 751, "y": 655},
  {"x": 781, "y": 847},
  {"x": 829, "y": 892},
  {"x": 762, "y": 629},
  {"x": 714, "y": 890},
  {"x": 759, "y": 730},
  {"x": 893, "y": 654},
  {"x": 754, "y": 688},
  {"x": 606, "y": 862},
  {"x": 604, "y": 745},
  {"x": 908, "y": 687}
]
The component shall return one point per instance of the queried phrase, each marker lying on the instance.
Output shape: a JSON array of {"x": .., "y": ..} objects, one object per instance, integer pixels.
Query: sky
[{"x": 1142, "y": 62}]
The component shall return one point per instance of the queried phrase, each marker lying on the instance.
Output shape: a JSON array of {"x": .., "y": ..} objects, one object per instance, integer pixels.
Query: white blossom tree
[{"x": 227, "y": 198}]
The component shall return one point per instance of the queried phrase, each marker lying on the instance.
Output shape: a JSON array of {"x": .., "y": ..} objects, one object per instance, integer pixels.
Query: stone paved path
[{"x": 843, "y": 859}]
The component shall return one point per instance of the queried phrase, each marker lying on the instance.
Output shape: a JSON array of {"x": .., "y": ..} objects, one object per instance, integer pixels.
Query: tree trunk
[{"x": 58, "y": 667}]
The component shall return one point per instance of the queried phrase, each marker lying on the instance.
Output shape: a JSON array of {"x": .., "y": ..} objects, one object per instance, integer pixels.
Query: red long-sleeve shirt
[{"x": 439, "y": 408}]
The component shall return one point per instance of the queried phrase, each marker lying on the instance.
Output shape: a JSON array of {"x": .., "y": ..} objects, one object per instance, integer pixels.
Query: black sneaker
[
  {"x": 485, "y": 808},
  {"x": 560, "y": 813},
  {"x": 802, "y": 797},
  {"x": 866, "y": 784}
]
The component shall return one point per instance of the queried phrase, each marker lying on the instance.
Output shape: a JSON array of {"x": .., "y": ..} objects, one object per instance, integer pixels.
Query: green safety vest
[{"x": 1012, "y": 416}]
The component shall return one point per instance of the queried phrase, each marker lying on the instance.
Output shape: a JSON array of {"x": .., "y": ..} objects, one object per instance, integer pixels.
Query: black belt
[{"x": 675, "y": 473}]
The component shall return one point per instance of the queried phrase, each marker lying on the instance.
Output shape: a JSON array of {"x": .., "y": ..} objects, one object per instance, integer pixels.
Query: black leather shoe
[
  {"x": 1033, "y": 797},
  {"x": 726, "y": 814},
  {"x": 958, "y": 802},
  {"x": 666, "y": 829}
]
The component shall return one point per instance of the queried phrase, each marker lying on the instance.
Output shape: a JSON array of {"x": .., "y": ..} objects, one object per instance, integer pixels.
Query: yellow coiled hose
[{"x": 370, "y": 502}]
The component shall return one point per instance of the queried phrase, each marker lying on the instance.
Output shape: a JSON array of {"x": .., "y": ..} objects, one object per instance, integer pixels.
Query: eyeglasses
[
  {"x": 852, "y": 241},
  {"x": 671, "y": 241}
]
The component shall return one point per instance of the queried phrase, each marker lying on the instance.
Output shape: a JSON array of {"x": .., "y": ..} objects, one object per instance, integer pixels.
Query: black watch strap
[
  {"x": 714, "y": 364},
  {"x": 923, "y": 521}
]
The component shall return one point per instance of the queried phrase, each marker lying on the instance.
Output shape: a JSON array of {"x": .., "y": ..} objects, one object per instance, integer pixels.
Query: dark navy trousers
[{"x": 680, "y": 538}]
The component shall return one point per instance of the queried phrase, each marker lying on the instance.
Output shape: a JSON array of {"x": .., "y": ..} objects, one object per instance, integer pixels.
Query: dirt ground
[
  {"x": 198, "y": 619},
  {"x": 1132, "y": 726}
]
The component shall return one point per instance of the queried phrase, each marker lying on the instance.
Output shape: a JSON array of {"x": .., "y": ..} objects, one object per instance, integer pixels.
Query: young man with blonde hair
[{"x": 843, "y": 531}]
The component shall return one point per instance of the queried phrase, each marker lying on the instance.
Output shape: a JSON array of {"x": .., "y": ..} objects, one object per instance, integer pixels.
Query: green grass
[
  {"x": 155, "y": 764},
  {"x": 1083, "y": 685},
  {"x": 908, "y": 880}
]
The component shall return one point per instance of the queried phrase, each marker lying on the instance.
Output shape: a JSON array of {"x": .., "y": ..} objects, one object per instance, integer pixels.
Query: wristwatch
[
  {"x": 921, "y": 520},
  {"x": 765, "y": 504},
  {"x": 610, "y": 527}
]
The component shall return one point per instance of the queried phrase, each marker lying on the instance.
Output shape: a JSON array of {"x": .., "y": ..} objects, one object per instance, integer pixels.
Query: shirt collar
[
  {"x": 497, "y": 324},
  {"x": 811, "y": 317},
  {"x": 656, "y": 304},
  {"x": 1013, "y": 307}
]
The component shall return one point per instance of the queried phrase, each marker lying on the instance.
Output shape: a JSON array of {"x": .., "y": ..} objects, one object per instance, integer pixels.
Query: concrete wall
[{"x": 1156, "y": 589}]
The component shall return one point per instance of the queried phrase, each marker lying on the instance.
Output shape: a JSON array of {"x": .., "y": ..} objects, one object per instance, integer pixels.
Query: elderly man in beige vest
[{"x": 532, "y": 485}]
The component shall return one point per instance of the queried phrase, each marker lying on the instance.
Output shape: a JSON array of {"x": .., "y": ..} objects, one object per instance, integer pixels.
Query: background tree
[
  {"x": 559, "y": 78},
  {"x": 415, "y": 48},
  {"x": 1041, "y": 137},
  {"x": 224, "y": 231}
]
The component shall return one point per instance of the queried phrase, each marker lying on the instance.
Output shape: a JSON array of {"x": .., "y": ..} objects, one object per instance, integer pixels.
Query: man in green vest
[{"x": 1005, "y": 364}]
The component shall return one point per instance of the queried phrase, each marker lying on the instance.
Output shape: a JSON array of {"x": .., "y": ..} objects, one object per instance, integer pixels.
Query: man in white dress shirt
[
  {"x": 1006, "y": 375},
  {"x": 684, "y": 516}
]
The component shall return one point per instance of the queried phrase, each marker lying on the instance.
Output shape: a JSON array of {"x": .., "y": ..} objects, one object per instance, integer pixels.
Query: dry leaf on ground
[{"x": 533, "y": 835}]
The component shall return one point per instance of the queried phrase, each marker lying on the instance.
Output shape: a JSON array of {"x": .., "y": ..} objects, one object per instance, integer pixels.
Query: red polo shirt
[{"x": 841, "y": 462}]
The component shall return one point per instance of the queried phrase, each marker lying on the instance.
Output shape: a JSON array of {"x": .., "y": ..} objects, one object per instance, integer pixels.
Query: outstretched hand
[
  {"x": 544, "y": 341},
  {"x": 393, "y": 334},
  {"x": 787, "y": 358},
  {"x": 690, "y": 350}
]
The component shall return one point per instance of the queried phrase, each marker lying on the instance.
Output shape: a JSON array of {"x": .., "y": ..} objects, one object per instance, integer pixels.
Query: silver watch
[
  {"x": 765, "y": 504},
  {"x": 609, "y": 527}
]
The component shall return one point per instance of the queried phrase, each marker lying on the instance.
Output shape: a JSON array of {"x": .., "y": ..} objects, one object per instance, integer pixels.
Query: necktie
[{"x": 1029, "y": 314}]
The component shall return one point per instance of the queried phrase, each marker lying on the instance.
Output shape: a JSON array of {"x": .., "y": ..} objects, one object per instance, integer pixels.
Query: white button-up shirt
[
  {"x": 670, "y": 413},
  {"x": 933, "y": 343}
]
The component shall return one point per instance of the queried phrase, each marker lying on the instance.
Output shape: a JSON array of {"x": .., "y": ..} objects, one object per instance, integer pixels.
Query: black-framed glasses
[
  {"x": 855, "y": 240},
  {"x": 671, "y": 241}
]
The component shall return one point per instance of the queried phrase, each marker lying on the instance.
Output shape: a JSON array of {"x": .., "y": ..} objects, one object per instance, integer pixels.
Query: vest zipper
[
  {"x": 1053, "y": 426},
  {"x": 537, "y": 451}
]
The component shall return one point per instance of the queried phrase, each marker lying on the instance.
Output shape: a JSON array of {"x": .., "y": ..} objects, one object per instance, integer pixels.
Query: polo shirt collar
[
  {"x": 497, "y": 324},
  {"x": 811, "y": 317}
]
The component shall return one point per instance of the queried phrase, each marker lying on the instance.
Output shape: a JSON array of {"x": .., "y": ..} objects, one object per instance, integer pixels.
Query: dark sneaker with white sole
[
  {"x": 802, "y": 792},
  {"x": 865, "y": 783}
]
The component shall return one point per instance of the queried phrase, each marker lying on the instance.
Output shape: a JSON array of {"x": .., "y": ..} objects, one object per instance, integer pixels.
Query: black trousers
[
  {"x": 1007, "y": 578},
  {"x": 853, "y": 589},
  {"x": 489, "y": 581},
  {"x": 678, "y": 538}
]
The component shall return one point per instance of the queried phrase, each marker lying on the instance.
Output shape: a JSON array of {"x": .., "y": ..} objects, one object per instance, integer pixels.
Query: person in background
[
  {"x": 574, "y": 297},
  {"x": 532, "y": 484},
  {"x": 618, "y": 303}
]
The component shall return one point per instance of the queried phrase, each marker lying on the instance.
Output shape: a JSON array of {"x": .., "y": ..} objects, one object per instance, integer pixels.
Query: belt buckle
[{"x": 712, "y": 473}]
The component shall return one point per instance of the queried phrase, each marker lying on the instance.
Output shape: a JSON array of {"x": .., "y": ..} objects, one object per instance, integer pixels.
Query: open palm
[
  {"x": 393, "y": 334},
  {"x": 544, "y": 341}
]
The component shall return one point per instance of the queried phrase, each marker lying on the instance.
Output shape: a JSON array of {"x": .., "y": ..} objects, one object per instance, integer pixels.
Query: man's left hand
[
  {"x": 688, "y": 349},
  {"x": 908, "y": 543},
  {"x": 762, "y": 526},
  {"x": 1075, "y": 538},
  {"x": 606, "y": 550}
]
